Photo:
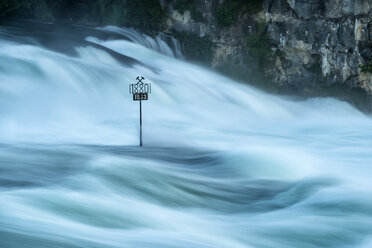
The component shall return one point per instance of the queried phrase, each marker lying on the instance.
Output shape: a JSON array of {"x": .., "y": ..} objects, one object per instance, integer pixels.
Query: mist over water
[{"x": 223, "y": 164}]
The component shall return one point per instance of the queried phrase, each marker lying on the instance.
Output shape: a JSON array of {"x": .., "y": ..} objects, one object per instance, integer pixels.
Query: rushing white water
[{"x": 224, "y": 165}]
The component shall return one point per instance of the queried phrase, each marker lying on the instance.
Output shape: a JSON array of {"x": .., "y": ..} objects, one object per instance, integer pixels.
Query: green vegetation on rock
[
  {"x": 197, "y": 15},
  {"x": 257, "y": 62},
  {"x": 259, "y": 49},
  {"x": 183, "y": 5},
  {"x": 146, "y": 15},
  {"x": 28, "y": 9},
  {"x": 366, "y": 67},
  {"x": 228, "y": 12},
  {"x": 195, "y": 48},
  {"x": 259, "y": 53}
]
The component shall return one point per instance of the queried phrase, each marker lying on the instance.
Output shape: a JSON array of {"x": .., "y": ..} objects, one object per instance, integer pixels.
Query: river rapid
[{"x": 224, "y": 165}]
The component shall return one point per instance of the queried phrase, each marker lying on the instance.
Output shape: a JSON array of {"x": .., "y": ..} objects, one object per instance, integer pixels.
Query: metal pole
[{"x": 140, "y": 123}]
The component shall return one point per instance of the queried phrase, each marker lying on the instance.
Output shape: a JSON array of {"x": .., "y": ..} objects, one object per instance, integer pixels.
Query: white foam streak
[{"x": 259, "y": 188}]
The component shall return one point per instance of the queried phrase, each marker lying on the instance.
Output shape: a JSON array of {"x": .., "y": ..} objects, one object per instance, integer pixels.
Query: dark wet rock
[{"x": 314, "y": 42}]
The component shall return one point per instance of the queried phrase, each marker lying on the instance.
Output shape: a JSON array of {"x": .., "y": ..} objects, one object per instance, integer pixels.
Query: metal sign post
[{"x": 140, "y": 92}]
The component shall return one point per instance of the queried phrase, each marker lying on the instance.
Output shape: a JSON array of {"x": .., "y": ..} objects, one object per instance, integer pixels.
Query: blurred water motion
[{"x": 224, "y": 165}]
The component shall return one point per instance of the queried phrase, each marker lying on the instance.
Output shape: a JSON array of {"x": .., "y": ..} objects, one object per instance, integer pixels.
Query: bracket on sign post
[{"x": 140, "y": 92}]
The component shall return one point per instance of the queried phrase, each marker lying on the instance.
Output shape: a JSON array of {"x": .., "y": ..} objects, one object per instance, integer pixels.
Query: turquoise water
[{"x": 223, "y": 164}]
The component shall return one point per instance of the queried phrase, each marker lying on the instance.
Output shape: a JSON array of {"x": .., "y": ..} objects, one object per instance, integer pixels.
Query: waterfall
[
  {"x": 162, "y": 43},
  {"x": 223, "y": 164}
]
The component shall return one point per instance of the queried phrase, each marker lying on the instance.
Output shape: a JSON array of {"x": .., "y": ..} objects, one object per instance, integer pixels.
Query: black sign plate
[{"x": 140, "y": 96}]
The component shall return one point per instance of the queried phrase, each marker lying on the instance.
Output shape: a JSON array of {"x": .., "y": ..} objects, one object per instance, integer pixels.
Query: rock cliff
[{"x": 315, "y": 47}]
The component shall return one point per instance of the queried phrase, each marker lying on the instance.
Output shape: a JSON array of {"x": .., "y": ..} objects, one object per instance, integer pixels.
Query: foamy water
[{"x": 223, "y": 164}]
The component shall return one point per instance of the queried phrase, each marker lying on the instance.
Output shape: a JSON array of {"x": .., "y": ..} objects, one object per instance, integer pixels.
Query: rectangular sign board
[{"x": 140, "y": 96}]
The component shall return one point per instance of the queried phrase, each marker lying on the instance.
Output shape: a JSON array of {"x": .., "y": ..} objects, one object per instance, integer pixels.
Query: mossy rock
[
  {"x": 27, "y": 9},
  {"x": 195, "y": 48},
  {"x": 190, "y": 5},
  {"x": 228, "y": 12},
  {"x": 367, "y": 68},
  {"x": 146, "y": 15}
]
